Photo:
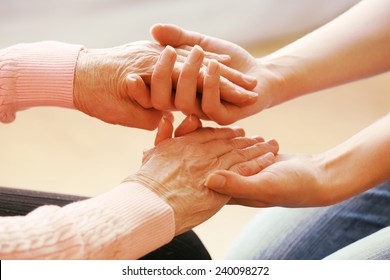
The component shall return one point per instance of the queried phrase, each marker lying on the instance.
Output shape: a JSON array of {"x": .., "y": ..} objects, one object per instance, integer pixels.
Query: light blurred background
[{"x": 66, "y": 151}]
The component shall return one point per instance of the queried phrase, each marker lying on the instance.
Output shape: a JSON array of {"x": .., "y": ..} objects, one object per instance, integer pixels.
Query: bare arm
[
  {"x": 300, "y": 180},
  {"x": 353, "y": 46}
]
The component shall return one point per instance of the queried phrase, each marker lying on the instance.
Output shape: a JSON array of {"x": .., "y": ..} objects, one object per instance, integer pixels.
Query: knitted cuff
[{"x": 36, "y": 74}]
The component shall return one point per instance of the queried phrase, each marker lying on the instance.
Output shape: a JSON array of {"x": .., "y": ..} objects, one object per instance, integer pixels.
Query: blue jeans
[{"x": 358, "y": 228}]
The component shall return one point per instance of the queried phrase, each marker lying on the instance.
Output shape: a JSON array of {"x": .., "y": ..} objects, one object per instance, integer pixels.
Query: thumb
[
  {"x": 190, "y": 124},
  {"x": 138, "y": 91},
  {"x": 170, "y": 34},
  {"x": 233, "y": 184},
  {"x": 164, "y": 130}
]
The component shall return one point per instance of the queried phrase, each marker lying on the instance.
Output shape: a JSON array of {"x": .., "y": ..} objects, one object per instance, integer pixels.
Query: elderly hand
[
  {"x": 106, "y": 81},
  {"x": 214, "y": 107},
  {"x": 176, "y": 168}
]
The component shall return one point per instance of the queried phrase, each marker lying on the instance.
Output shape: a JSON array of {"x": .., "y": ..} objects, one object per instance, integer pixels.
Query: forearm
[
  {"x": 360, "y": 163},
  {"x": 353, "y": 46},
  {"x": 124, "y": 223},
  {"x": 36, "y": 74}
]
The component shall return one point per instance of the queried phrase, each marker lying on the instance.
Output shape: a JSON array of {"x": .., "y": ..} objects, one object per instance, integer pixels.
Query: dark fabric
[
  {"x": 186, "y": 246},
  {"x": 19, "y": 202}
]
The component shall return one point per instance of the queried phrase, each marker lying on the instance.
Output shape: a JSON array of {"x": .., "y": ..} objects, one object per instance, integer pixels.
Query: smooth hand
[
  {"x": 214, "y": 107},
  {"x": 294, "y": 180}
]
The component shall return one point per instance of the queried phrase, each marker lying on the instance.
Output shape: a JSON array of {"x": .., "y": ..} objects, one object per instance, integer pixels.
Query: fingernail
[
  {"x": 244, "y": 92},
  {"x": 224, "y": 57},
  {"x": 215, "y": 181},
  {"x": 212, "y": 68},
  {"x": 132, "y": 82},
  {"x": 167, "y": 55},
  {"x": 130, "y": 77},
  {"x": 196, "y": 55},
  {"x": 252, "y": 93},
  {"x": 249, "y": 79}
]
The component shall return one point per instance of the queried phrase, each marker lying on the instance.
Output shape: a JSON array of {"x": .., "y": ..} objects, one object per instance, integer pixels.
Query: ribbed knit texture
[
  {"x": 125, "y": 223},
  {"x": 36, "y": 74}
]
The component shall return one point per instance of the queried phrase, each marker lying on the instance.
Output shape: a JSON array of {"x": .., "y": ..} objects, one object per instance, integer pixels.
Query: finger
[
  {"x": 140, "y": 117},
  {"x": 209, "y": 134},
  {"x": 246, "y": 81},
  {"x": 248, "y": 202},
  {"x": 255, "y": 165},
  {"x": 241, "y": 79},
  {"x": 237, "y": 186},
  {"x": 170, "y": 34},
  {"x": 229, "y": 91},
  {"x": 237, "y": 156},
  {"x": 235, "y": 94},
  {"x": 190, "y": 124},
  {"x": 164, "y": 130},
  {"x": 222, "y": 147},
  {"x": 184, "y": 51},
  {"x": 169, "y": 116},
  {"x": 161, "y": 83},
  {"x": 211, "y": 103},
  {"x": 138, "y": 91},
  {"x": 186, "y": 89}
]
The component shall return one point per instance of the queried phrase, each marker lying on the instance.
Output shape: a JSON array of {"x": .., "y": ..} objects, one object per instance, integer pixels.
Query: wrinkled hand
[
  {"x": 176, "y": 168},
  {"x": 294, "y": 180},
  {"x": 211, "y": 104},
  {"x": 108, "y": 82},
  {"x": 102, "y": 87}
]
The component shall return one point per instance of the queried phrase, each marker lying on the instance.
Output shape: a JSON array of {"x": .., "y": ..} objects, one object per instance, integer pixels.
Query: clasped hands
[{"x": 137, "y": 84}]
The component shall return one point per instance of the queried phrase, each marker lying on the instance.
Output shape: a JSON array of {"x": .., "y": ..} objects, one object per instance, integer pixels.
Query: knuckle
[
  {"x": 261, "y": 163},
  {"x": 244, "y": 169},
  {"x": 240, "y": 154},
  {"x": 244, "y": 142}
]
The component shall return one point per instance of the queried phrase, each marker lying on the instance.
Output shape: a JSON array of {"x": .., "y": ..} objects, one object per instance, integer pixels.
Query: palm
[{"x": 292, "y": 181}]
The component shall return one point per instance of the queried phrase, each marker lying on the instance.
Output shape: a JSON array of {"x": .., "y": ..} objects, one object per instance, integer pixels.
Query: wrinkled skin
[
  {"x": 113, "y": 84},
  {"x": 176, "y": 169},
  {"x": 101, "y": 84}
]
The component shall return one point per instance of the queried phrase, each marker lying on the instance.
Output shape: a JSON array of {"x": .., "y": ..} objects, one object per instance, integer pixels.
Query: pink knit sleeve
[
  {"x": 36, "y": 74},
  {"x": 124, "y": 223}
]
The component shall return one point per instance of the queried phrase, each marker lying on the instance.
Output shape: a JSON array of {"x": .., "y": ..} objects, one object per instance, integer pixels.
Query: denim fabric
[{"x": 358, "y": 228}]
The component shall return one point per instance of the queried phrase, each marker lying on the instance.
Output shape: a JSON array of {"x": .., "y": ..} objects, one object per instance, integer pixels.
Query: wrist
[
  {"x": 343, "y": 174},
  {"x": 280, "y": 79},
  {"x": 80, "y": 76},
  {"x": 326, "y": 168},
  {"x": 161, "y": 192}
]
